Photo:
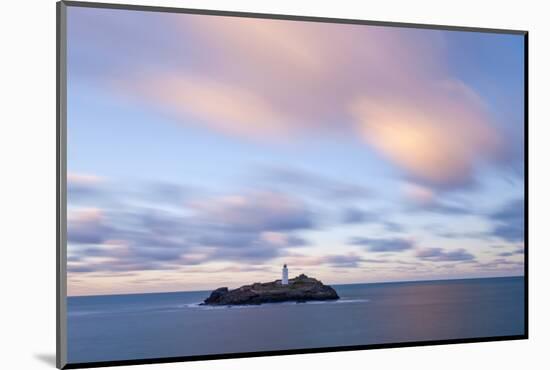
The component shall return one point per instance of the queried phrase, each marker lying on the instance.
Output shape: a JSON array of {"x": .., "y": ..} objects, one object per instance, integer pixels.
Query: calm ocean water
[{"x": 107, "y": 328}]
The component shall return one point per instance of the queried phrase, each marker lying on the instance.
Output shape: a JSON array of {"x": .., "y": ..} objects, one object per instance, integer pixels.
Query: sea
[{"x": 141, "y": 326}]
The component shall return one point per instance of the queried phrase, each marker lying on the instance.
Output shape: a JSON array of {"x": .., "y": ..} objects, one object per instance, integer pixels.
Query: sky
[{"x": 207, "y": 151}]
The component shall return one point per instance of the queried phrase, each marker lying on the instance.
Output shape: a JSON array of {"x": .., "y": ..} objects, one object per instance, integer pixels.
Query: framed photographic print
[{"x": 236, "y": 184}]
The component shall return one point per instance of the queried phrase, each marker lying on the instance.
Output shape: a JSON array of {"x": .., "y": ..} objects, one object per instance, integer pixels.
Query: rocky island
[{"x": 300, "y": 289}]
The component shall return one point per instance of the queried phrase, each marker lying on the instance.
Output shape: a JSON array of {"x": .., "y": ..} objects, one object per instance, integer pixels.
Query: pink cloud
[
  {"x": 83, "y": 179},
  {"x": 273, "y": 44},
  {"x": 85, "y": 215},
  {"x": 225, "y": 108},
  {"x": 86, "y": 226},
  {"x": 418, "y": 194},
  {"x": 437, "y": 135},
  {"x": 271, "y": 79}
]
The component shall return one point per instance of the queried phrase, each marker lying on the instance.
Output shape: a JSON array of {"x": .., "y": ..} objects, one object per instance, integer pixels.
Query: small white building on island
[{"x": 284, "y": 280}]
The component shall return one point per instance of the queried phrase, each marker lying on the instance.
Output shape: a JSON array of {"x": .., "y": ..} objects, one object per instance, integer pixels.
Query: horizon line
[{"x": 358, "y": 283}]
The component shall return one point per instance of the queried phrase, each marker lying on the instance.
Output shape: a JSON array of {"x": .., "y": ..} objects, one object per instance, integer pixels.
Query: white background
[{"x": 27, "y": 173}]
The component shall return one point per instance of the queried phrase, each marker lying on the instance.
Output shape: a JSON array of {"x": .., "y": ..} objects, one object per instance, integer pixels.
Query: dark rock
[
  {"x": 300, "y": 289},
  {"x": 216, "y": 295}
]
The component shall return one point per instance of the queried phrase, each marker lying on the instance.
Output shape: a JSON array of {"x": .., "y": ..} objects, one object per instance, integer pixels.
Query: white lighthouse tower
[{"x": 284, "y": 280}]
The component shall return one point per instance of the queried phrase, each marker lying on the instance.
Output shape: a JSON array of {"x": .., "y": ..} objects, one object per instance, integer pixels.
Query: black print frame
[{"x": 298, "y": 184}]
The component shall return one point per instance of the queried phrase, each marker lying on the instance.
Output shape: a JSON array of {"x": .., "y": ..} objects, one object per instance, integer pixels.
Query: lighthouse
[{"x": 284, "y": 280}]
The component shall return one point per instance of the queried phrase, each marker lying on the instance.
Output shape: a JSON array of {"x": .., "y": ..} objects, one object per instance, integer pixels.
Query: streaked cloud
[
  {"x": 437, "y": 136},
  {"x": 510, "y": 221},
  {"x": 441, "y": 255},
  {"x": 222, "y": 107},
  {"x": 424, "y": 199},
  {"x": 383, "y": 245},
  {"x": 267, "y": 79},
  {"x": 256, "y": 211},
  {"x": 355, "y": 216},
  {"x": 350, "y": 260},
  {"x": 313, "y": 183},
  {"x": 80, "y": 185},
  {"x": 418, "y": 116},
  {"x": 515, "y": 252},
  {"x": 431, "y": 125},
  {"x": 247, "y": 228},
  {"x": 418, "y": 194},
  {"x": 502, "y": 264},
  {"x": 83, "y": 179},
  {"x": 87, "y": 226}
]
